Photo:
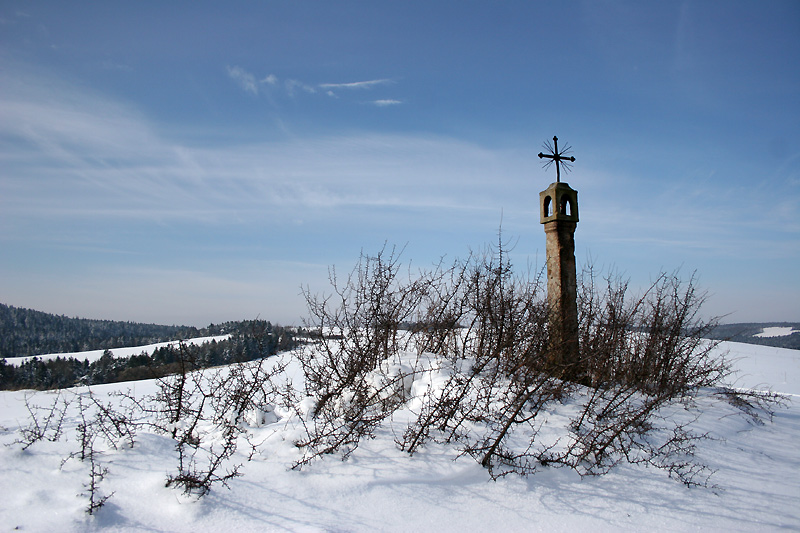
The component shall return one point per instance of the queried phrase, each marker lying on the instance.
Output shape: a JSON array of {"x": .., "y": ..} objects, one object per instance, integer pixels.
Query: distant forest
[{"x": 24, "y": 332}]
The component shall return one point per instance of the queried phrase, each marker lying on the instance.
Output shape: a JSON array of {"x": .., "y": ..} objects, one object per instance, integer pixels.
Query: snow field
[
  {"x": 777, "y": 331},
  {"x": 380, "y": 488}
]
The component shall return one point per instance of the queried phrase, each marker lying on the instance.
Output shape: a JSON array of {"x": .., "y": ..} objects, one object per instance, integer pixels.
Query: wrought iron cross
[{"x": 559, "y": 158}]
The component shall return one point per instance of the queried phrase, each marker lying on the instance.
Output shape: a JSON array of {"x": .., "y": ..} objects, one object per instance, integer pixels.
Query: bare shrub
[
  {"x": 756, "y": 406},
  {"x": 95, "y": 421},
  {"x": 498, "y": 356},
  {"x": 654, "y": 342},
  {"x": 349, "y": 373},
  {"x": 487, "y": 326},
  {"x": 638, "y": 354},
  {"x": 358, "y": 324},
  {"x": 97, "y": 474},
  {"x": 481, "y": 335},
  {"x": 46, "y": 423},
  {"x": 202, "y": 411},
  {"x": 89, "y": 429}
]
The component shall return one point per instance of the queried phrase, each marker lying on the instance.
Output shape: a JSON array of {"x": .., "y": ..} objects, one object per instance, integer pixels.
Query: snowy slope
[
  {"x": 757, "y": 483},
  {"x": 94, "y": 355},
  {"x": 764, "y": 367}
]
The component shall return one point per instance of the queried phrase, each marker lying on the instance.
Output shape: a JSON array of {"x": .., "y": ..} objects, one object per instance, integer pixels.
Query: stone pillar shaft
[
  {"x": 559, "y": 213},
  {"x": 562, "y": 291}
]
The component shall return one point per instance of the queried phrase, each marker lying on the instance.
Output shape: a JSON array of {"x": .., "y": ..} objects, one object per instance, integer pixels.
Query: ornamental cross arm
[{"x": 558, "y": 157}]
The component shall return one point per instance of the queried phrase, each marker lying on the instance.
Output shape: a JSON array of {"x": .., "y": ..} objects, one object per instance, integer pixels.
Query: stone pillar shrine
[{"x": 558, "y": 211}]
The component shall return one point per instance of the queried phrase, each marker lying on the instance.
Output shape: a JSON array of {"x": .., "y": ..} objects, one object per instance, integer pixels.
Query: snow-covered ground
[
  {"x": 380, "y": 488},
  {"x": 764, "y": 368},
  {"x": 94, "y": 355}
]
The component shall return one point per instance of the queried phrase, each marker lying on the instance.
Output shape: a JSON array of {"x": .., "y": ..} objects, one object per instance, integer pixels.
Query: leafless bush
[
  {"x": 116, "y": 423},
  {"x": 95, "y": 421},
  {"x": 89, "y": 429},
  {"x": 202, "y": 411},
  {"x": 358, "y": 324},
  {"x": 755, "y": 405},
  {"x": 654, "y": 342},
  {"x": 351, "y": 372},
  {"x": 639, "y": 354},
  {"x": 46, "y": 423},
  {"x": 499, "y": 356},
  {"x": 486, "y": 325},
  {"x": 97, "y": 474},
  {"x": 482, "y": 332}
]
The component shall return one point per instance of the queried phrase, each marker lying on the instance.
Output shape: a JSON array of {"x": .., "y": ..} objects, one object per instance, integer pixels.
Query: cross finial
[{"x": 559, "y": 158}]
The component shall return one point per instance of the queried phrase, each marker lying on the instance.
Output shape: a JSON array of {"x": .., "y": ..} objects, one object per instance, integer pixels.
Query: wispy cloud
[
  {"x": 386, "y": 102},
  {"x": 292, "y": 86},
  {"x": 356, "y": 84},
  {"x": 244, "y": 79},
  {"x": 73, "y": 154}
]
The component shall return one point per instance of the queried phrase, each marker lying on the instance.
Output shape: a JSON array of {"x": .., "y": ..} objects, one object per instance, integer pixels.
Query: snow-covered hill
[
  {"x": 94, "y": 355},
  {"x": 379, "y": 488}
]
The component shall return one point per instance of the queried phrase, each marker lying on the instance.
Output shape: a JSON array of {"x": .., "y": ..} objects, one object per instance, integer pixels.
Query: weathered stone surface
[{"x": 559, "y": 214}]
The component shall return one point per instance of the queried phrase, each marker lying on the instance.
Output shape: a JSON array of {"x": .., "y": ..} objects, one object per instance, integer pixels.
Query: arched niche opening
[
  {"x": 547, "y": 207},
  {"x": 566, "y": 205}
]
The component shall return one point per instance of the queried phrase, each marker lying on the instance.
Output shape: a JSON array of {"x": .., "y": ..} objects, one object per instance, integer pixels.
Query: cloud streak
[
  {"x": 356, "y": 84},
  {"x": 244, "y": 79},
  {"x": 292, "y": 87},
  {"x": 386, "y": 102},
  {"x": 103, "y": 159}
]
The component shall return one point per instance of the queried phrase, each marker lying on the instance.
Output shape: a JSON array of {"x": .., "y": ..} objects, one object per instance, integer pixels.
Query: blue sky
[{"x": 195, "y": 162}]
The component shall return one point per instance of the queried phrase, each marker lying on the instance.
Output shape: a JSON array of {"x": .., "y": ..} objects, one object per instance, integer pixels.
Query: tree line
[
  {"x": 249, "y": 340},
  {"x": 25, "y": 332}
]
